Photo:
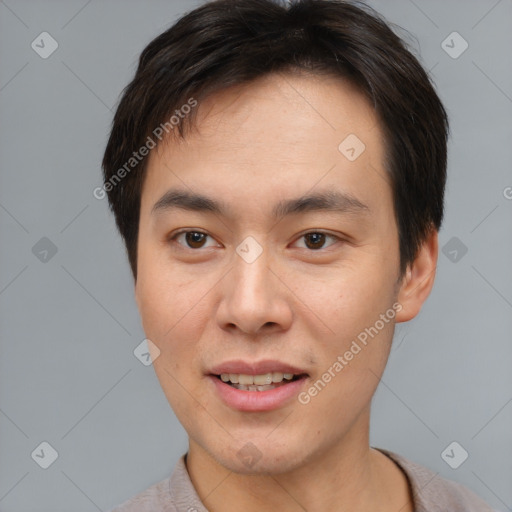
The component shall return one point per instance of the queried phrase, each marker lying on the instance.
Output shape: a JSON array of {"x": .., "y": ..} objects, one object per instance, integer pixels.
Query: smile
[{"x": 263, "y": 382}]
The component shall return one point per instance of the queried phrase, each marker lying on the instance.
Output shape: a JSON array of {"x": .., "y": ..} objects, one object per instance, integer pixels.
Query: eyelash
[{"x": 184, "y": 231}]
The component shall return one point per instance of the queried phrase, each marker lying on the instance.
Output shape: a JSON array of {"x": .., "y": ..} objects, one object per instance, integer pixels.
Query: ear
[{"x": 418, "y": 279}]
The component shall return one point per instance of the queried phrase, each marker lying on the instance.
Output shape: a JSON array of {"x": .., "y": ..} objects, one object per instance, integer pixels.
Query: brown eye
[
  {"x": 314, "y": 240},
  {"x": 193, "y": 239}
]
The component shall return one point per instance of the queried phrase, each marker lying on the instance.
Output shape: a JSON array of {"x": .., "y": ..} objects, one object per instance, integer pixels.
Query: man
[{"x": 277, "y": 173}]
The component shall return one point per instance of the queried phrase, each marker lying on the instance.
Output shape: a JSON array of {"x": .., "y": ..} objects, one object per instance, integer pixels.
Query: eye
[
  {"x": 193, "y": 239},
  {"x": 316, "y": 239}
]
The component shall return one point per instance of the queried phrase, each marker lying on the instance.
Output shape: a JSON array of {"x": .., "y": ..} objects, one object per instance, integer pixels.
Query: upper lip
[{"x": 255, "y": 367}]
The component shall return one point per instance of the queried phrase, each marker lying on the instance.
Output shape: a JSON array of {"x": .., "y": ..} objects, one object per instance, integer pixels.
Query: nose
[{"x": 255, "y": 298}]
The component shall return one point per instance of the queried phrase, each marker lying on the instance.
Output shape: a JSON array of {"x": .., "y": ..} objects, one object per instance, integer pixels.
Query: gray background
[{"x": 69, "y": 323}]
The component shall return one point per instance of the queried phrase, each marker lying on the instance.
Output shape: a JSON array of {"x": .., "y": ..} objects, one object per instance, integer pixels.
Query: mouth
[
  {"x": 257, "y": 386},
  {"x": 262, "y": 382}
]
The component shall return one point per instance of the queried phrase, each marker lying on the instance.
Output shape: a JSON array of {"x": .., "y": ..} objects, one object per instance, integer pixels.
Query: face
[{"x": 235, "y": 286}]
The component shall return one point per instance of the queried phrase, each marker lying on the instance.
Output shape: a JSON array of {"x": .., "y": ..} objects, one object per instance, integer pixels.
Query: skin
[{"x": 254, "y": 145}]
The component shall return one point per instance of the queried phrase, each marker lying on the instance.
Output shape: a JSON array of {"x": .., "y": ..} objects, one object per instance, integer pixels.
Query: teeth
[
  {"x": 246, "y": 380},
  {"x": 254, "y": 388},
  {"x": 265, "y": 388},
  {"x": 263, "y": 380}
]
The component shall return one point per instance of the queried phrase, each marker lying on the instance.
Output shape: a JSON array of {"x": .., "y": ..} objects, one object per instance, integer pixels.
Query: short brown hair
[{"x": 232, "y": 42}]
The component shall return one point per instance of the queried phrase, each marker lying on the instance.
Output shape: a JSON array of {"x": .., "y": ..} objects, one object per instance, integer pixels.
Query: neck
[{"x": 349, "y": 476}]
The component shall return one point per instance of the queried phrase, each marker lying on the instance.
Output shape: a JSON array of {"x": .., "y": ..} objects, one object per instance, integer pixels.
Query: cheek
[
  {"x": 171, "y": 316},
  {"x": 174, "y": 312},
  {"x": 163, "y": 295},
  {"x": 351, "y": 308},
  {"x": 350, "y": 304}
]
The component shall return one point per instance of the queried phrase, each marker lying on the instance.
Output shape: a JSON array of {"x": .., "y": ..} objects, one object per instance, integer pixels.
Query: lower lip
[{"x": 257, "y": 400}]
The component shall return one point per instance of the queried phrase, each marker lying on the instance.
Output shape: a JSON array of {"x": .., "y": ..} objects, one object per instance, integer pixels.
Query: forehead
[
  {"x": 279, "y": 133},
  {"x": 305, "y": 109}
]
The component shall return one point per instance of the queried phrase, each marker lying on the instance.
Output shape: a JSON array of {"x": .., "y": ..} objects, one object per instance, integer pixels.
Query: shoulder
[
  {"x": 433, "y": 493},
  {"x": 154, "y": 498},
  {"x": 174, "y": 494}
]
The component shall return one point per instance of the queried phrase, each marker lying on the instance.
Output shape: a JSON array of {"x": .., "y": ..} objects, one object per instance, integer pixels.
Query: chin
[
  {"x": 260, "y": 457},
  {"x": 264, "y": 466}
]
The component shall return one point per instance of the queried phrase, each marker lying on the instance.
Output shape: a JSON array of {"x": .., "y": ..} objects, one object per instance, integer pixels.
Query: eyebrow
[{"x": 329, "y": 200}]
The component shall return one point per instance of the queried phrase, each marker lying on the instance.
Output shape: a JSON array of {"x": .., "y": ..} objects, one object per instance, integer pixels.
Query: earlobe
[{"x": 419, "y": 279}]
